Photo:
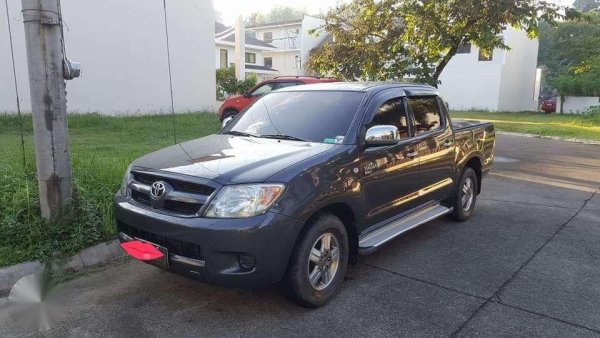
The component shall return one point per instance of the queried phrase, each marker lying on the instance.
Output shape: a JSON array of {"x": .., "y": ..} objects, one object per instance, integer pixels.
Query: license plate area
[{"x": 162, "y": 262}]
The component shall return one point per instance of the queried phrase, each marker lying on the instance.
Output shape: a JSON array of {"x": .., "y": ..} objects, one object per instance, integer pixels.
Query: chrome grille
[{"x": 185, "y": 199}]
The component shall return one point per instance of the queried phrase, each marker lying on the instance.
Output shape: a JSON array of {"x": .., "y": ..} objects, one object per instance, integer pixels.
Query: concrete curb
[
  {"x": 94, "y": 256},
  {"x": 556, "y": 138}
]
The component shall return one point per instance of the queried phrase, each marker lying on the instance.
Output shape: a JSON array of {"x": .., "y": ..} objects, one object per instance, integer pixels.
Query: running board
[{"x": 372, "y": 240}]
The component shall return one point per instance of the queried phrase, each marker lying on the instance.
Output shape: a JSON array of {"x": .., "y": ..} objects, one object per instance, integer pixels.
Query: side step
[{"x": 372, "y": 240}]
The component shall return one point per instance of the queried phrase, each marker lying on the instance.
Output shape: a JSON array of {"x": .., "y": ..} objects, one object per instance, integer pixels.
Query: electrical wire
[
  {"x": 12, "y": 53},
  {"x": 62, "y": 33},
  {"x": 170, "y": 76}
]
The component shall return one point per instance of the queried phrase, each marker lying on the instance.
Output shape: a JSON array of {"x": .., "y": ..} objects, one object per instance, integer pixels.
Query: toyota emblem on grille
[{"x": 158, "y": 189}]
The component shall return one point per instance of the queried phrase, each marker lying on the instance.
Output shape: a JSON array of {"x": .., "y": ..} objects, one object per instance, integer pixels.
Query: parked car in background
[
  {"x": 235, "y": 104},
  {"x": 301, "y": 183},
  {"x": 549, "y": 105}
]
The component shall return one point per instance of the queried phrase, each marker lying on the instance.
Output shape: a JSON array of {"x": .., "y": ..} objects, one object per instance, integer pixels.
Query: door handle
[
  {"x": 412, "y": 154},
  {"x": 448, "y": 143}
]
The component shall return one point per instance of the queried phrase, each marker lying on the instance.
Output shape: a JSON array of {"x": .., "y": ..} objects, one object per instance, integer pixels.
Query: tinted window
[
  {"x": 392, "y": 112},
  {"x": 286, "y": 84},
  {"x": 312, "y": 116},
  {"x": 427, "y": 114},
  {"x": 264, "y": 89}
]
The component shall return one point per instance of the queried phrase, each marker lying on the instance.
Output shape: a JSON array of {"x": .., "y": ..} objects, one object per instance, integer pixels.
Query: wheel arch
[
  {"x": 345, "y": 213},
  {"x": 475, "y": 163}
]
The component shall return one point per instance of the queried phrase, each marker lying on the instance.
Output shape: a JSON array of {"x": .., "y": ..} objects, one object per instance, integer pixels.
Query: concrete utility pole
[
  {"x": 48, "y": 104},
  {"x": 240, "y": 49}
]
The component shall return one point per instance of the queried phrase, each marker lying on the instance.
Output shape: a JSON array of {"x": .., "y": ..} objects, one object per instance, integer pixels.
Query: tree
[
  {"x": 569, "y": 46},
  {"x": 277, "y": 14},
  {"x": 392, "y": 39},
  {"x": 228, "y": 84},
  {"x": 586, "y": 5}
]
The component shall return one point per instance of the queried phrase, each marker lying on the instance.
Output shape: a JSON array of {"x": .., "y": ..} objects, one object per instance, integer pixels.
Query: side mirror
[
  {"x": 383, "y": 135},
  {"x": 247, "y": 94}
]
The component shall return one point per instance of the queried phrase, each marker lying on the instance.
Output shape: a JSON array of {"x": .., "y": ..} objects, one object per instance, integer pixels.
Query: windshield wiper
[
  {"x": 283, "y": 137},
  {"x": 238, "y": 133}
]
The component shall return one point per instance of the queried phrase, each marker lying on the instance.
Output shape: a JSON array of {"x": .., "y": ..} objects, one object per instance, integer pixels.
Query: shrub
[{"x": 227, "y": 84}]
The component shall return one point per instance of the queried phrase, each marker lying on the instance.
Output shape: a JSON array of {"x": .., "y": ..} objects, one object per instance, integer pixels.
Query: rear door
[
  {"x": 435, "y": 146},
  {"x": 390, "y": 174}
]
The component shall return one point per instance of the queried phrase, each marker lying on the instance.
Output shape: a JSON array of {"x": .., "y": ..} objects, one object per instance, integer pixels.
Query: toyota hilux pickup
[{"x": 302, "y": 183}]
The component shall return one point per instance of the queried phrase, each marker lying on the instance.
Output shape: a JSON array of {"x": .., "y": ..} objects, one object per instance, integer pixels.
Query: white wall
[
  {"x": 284, "y": 36},
  {"x": 518, "y": 73},
  {"x": 122, "y": 47},
  {"x": 467, "y": 83},
  {"x": 310, "y": 41},
  {"x": 506, "y": 83},
  {"x": 577, "y": 104},
  {"x": 285, "y": 62}
]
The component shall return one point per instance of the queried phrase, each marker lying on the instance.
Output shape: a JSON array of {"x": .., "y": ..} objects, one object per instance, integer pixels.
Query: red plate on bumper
[{"x": 147, "y": 252}]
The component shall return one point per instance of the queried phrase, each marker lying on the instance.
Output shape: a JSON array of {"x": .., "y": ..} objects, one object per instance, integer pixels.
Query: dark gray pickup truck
[{"x": 301, "y": 183}]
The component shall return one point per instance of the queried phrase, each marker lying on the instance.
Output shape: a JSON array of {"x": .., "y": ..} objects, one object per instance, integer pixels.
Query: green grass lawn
[
  {"x": 101, "y": 149},
  {"x": 563, "y": 125}
]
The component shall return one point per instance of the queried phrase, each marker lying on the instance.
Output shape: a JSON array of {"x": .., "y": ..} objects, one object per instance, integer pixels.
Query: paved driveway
[{"x": 527, "y": 263}]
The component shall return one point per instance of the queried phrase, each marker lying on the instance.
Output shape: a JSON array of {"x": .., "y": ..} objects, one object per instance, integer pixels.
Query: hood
[{"x": 231, "y": 159}]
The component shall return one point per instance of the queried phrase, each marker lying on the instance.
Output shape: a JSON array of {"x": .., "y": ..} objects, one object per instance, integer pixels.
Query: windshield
[{"x": 323, "y": 116}]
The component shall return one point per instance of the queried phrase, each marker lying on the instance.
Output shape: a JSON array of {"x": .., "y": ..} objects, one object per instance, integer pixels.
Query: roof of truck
[{"x": 408, "y": 88}]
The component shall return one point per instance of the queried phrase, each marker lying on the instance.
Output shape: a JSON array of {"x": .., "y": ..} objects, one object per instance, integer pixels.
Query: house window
[
  {"x": 223, "y": 58},
  {"x": 464, "y": 48},
  {"x": 485, "y": 55},
  {"x": 268, "y": 62},
  {"x": 250, "y": 58},
  {"x": 268, "y": 37}
]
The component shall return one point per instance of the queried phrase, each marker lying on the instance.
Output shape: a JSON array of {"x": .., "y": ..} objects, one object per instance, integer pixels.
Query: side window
[
  {"x": 427, "y": 114},
  {"x": 286, "y": 84},
  {"x": 392, "y": 112},
  {"x": 264, "y": 89}
]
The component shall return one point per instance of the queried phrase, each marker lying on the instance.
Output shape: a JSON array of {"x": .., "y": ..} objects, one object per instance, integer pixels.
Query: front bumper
[{"x": 248, "y": 252}]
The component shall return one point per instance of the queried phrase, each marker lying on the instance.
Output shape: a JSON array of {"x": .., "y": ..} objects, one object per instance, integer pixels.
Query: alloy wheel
[{"x": 323, "y": 261}]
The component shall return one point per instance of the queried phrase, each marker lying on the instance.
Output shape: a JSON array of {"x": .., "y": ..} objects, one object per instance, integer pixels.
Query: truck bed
[
  {"x": 459, "y": 125},
  {"x": 474, "y": 137}
]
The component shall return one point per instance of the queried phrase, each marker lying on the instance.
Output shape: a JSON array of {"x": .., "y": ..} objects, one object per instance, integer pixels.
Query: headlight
[
  {"x": 237, "y": 201},
  {"x": 126, "y": 179}
]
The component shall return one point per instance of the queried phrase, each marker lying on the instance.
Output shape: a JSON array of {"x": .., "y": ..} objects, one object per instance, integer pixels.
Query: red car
[
  {"x": 235, "y": 104},
  {"x": 549, "y": 105}
]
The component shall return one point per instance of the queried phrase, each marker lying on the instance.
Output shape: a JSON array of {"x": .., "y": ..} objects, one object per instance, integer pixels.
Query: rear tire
[
  {"x": 465, "y": 195},
  {"x": 316, "y": 269}
]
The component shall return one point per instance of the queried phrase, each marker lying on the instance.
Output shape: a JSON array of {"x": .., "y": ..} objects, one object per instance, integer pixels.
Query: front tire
[
  {"x": 228, "y": 115},
  {"x": 318, "y": 263},
  {"x": 465, "y": 195}
]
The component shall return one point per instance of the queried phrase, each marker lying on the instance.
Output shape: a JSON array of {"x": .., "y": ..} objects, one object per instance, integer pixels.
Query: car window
[
  {"x": 392, "y": 112},
  {"x": 426, "y": 112},
  {"x": 323, "y": 116},
  {"x": 286, "y": 84},
  {"x": 264, "y": 89}
]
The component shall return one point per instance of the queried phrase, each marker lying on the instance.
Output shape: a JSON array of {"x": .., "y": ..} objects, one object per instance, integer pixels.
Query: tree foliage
[
  {"x": 228, "y": 84},
  {"x": 392, "y": 39},
  {"x": 586, "y": 5},
  {"x": 583, "y": 83},
  {"x": 277, "y": 14},
  {"x": 570, "y": 55}
]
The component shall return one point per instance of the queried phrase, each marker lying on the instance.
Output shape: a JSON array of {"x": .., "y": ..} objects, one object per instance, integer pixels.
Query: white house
[
  {"x": 508, "y": 81},
  {"x": 122, "y": 47},
  {"x": 292, "y": 41},
  {"x": 254, "y": 49}
]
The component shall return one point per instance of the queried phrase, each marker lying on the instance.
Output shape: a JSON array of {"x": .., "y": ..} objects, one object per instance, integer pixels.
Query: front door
[{"x": 390, "y": 174}]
